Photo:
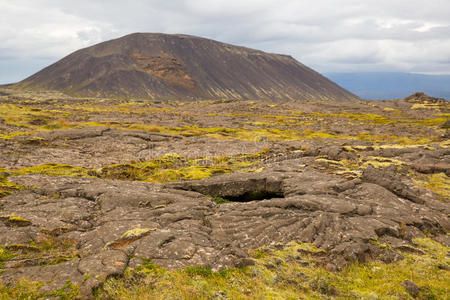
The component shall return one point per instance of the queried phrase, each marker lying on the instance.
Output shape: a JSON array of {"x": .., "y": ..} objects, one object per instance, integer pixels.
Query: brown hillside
[{"x": 162, "y": 66}]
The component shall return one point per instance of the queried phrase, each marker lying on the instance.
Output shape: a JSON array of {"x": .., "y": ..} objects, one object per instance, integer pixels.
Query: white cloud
[
  {"x": 329, "y": 35},
  {"x": 34, "y": 31}
]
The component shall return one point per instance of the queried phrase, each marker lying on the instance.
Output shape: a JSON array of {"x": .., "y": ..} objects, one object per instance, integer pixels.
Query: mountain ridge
[{"x": 179, "y": 66}]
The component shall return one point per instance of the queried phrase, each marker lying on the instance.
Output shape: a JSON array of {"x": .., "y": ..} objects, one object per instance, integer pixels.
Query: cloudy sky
[{"x": 327, "y": 35}]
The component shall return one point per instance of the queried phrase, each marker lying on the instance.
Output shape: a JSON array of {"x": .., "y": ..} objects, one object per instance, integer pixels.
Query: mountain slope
[{"x": 161, "y": 66}]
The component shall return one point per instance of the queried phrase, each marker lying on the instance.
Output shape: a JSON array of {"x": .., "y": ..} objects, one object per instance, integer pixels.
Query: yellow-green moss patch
[
  {"x": 5, "y": 255},
  {"x": 12, "y": 220},
  {"x": 425, "y": 106},
  {"x": 26, "y": 289},
  {"x": 380, "y": 162},
  {"x": 290, "y": 273},
  {"x": 136, "y": 233},
  {"x": 438, "y": 183},
  {"x": 174, "y": 167},
  {"x": 22, "y": 247},
  {"x": 7, "y": 187},
  {"x": 55, "y": 170},
  {"x": 47, "y": 251},
  {"x": 33, "y": 118}
]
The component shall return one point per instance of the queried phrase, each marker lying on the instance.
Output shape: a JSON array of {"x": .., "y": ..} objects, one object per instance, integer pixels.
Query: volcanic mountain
[{"x": 183, "y": 67}]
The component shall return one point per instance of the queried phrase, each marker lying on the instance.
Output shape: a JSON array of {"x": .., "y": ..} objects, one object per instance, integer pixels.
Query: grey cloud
[{"x": 329, "y": 35}]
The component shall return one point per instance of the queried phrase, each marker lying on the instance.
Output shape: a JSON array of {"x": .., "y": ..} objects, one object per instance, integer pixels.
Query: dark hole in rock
[
  {"x": 253, "y": 196},
  {"x": 236, "y": 188}
]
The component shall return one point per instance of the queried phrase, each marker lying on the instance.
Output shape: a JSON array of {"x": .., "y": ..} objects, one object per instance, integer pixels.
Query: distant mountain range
[
  {"x": 182, "y": 67},
  {"x": 392, "y": 85}
]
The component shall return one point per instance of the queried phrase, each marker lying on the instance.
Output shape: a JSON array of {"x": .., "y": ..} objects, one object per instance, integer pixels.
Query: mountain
[
  {"x": 389, "y": 85},
  {"x": 163, "y": 66}
]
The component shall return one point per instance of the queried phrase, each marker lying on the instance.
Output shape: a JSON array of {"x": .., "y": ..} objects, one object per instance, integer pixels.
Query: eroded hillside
[{"x": 172, "y": 66}]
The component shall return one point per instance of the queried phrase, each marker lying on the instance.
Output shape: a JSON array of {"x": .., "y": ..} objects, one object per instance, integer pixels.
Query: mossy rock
[{"x": 15, "y": 221}]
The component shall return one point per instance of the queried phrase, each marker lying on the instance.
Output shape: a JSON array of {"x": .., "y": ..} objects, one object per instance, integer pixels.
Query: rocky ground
[{"x": 92, "y": 188}]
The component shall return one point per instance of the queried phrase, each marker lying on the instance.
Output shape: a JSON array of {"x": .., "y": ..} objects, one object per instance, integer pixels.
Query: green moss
[
  {"x": 36, "y": 119},
  {"x": 276, "y": 120},
  {"x": 170, "y": 167},
  {"x": 379, "y": 162},
  {"x": 360, "y": 117},
  {"x": 128, "y": 237},
  {"x": 4, "y": 193},
  {"x": 11, "y": 135},
  {"x": 23, "y": 248},
  {"x": 123, "y": 108},
  {"x": 367, "y": 118},
  {"x": 26, "y": 289},
  {"x": 33, "y": 118},
  {"x": 48, "y": 251},
  {"x": 426, "y": 106},
  {"x": 174, "y": 167},
  {"x": 276, "y": 134},
  {"x": 307, "y": 247},
  {"x": 310, "y": 134},
  {"x": 14, "y": 221},
  {"x": 445, "y": 144},
  {"x": 220, "y": 200},
  {"x": 198, "y": 271},
  {"x": 213, "y": 132},
  {"x": 385, "y": 279},
  {"x": 126, "y": 172},
  {"x": 394, "y": 139},
  {"x": 354, "y": 168},
  {"x": 438, "y": 183},
  {"x": 430, "y": 122},
  {"x": 343, "y": 167},
  {"x": 55, "y": 170},
  {"x": 18, "y": 219},
  {"x": 186, "y": 173},
  {"x": 290, "y": 273},
  {"x": 136, "y": 233},
  {"x": 7, "y": 187},
  {"x": 5, "y": 255}
]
